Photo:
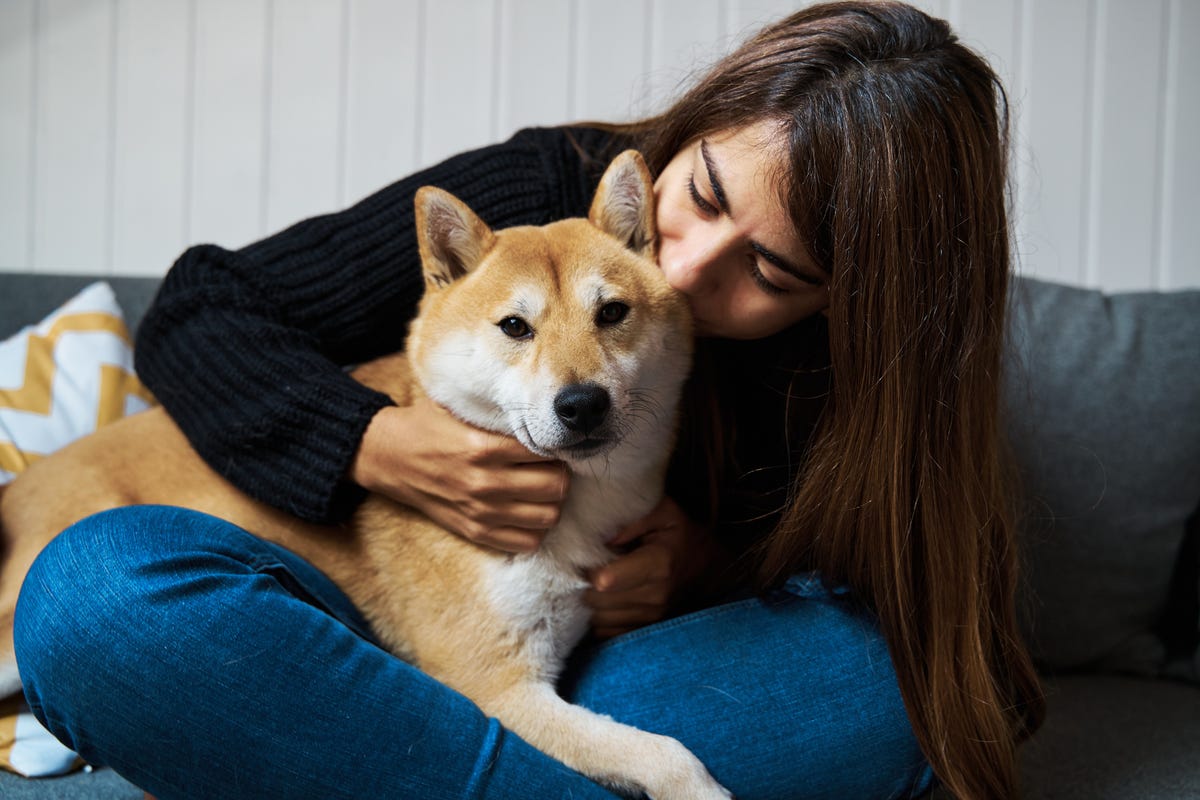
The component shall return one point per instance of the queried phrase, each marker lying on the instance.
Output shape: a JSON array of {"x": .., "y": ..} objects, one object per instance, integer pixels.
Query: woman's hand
[
  {"x": 482, "y": 486},
  {"x": 668, "y": 554}
]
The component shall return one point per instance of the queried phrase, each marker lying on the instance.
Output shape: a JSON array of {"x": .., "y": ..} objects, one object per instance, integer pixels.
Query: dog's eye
[
  {"x": 515, "y": 327},
  {"x": 612, "y": 313}
]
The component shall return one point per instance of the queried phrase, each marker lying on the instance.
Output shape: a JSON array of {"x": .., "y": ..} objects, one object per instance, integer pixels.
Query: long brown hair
[{"x": 897, "y": 136}]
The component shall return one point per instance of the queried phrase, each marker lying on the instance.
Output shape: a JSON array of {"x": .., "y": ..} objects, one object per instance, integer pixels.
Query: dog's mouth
[
  {"x": 587, "y": 446},
  {"x": 581, "y": 448}
]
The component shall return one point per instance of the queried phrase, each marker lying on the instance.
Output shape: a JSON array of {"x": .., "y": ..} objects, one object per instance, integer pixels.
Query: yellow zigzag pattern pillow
[
  {"x": 27, "y": 748},
  {"x": 64, "y": 377}
]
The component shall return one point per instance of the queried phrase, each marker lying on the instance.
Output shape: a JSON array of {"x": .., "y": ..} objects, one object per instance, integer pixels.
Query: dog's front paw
[{"x": 681, "y": 776}]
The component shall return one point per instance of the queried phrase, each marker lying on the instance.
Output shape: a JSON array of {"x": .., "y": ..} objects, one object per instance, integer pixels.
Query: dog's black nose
[{"x": 582, "y": 407}]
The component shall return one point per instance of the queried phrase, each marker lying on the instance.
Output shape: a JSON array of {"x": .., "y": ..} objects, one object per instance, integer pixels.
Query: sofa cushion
[
  {"x": 1114, "y": 737},
  {"x": 98, "y": 784},
  {"x": 26, "y": 748},
  {"x": 1103, "y": 404}
]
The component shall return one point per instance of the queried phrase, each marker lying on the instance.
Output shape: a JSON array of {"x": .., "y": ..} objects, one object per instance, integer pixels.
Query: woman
[{"x": 831, "y": 200}]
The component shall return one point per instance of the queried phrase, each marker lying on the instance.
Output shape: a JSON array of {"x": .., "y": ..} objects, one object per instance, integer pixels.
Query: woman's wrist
[{"x": 375, "y": 464}]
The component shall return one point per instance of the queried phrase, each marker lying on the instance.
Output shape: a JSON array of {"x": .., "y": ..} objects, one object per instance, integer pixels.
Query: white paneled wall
[{"x": 132, "y": 128}]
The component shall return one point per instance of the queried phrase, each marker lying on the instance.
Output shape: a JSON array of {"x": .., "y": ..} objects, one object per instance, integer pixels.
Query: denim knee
[
  {"x": 71, "y": 600},
  {"x": 773, "y": 694},
  {"x": 98, "y": 607}
]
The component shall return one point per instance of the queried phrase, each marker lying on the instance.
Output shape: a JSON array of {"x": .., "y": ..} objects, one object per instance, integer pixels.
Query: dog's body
[{"x": 565, "y": 336}]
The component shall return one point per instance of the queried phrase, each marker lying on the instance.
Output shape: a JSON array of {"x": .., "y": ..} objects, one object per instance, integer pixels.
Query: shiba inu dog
[{"x": 565, "y": 336}]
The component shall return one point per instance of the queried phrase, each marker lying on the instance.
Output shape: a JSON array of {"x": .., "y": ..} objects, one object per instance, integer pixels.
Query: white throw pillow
[{"x": 64, "y": 377}]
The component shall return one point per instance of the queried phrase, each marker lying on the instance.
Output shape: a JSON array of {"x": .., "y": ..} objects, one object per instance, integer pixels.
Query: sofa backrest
[
  {"x": 26, "y": 298},
  {"x": 1103, "y": 401}
]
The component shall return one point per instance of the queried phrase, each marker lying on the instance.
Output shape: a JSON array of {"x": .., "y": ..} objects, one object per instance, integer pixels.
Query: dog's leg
[
  {"x": 19, "y": 556},
  {"x": 619, "y": 756},
  {"x": 10, "y": 680}
]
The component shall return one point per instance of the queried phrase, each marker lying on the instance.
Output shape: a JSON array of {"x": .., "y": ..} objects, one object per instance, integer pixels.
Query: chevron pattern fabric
[
  {"x": 64, "y": 377},
  {"x": 27, "y": 748}
]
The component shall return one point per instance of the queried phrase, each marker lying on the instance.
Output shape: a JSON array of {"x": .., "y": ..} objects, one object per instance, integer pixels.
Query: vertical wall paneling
[
  {"x": 1022, "y": 166},
  {"x": 458, "y": 75},
  {"x": 686, "y": 37},
  {"x": 72, "y": 168},
  {"x": 954, "y": 12},
  {"x": 747, "y": 16},
  {"x": 17, "y": 100},
  {"x": 1125, "y": 167},
  {"x": 934, "y": 8},
  {"x": 533, "y": 64},
  {"x": 228, "y": 122},
  {"x": 304, "y": 129},
  {"x": 611, "y": 66},
  {"x": 151, "y": 153},
  {"x": 132, "y": 128},
  {"x": 992, "y": 28},
  {"x": 381, "y": 101},
  {"x": 1179, "y": 231},
  {"x": 1057, "y": 126}
]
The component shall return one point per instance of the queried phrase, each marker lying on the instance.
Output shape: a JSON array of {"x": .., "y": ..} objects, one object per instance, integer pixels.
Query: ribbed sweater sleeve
[{"x": 247, "y": 350}]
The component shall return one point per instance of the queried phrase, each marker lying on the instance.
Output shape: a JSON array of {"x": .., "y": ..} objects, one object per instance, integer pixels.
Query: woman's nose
[
  {"x": 696, "y": 269},
  {"x": 685, "y": 275}
]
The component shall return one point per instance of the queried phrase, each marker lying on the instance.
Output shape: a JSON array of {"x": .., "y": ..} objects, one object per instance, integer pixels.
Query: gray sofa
[{"x": 1103, "y": 394}]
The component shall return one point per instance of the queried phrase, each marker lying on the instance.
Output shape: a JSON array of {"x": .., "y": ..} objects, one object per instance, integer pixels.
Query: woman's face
[{"x": 727, "y": 242}]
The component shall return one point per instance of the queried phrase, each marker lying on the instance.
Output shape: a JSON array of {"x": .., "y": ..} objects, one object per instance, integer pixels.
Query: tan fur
[{"x": 494, "y": 627}]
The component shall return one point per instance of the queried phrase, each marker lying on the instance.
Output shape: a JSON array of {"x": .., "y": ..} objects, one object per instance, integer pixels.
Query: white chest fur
[{"x": 540, "y": 595}]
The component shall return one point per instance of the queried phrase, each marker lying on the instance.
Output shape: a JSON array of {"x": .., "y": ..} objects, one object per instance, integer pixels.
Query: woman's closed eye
[
  {"x": 702, "y": 205},
  {"x": 777, "y": 264},
  {"x": 761, "y": 280}
]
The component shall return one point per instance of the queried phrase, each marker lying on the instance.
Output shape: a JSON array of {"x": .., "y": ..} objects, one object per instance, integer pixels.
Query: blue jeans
[{"x": 199, "y": 661}]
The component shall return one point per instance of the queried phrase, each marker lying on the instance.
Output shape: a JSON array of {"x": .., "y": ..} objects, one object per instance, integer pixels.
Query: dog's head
[{"x": 565, "y": 336}]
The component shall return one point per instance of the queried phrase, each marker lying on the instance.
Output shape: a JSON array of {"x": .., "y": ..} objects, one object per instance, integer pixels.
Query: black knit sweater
[{"x": 246, "y": 349}]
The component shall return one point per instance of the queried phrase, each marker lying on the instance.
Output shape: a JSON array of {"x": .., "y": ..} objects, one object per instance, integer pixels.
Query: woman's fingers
[
  {"x": 479, "y": 485},
  {"x": 633, "y": 590},
  {"x": 669, "y": 552},
  {"x": 515, "y": 481}
]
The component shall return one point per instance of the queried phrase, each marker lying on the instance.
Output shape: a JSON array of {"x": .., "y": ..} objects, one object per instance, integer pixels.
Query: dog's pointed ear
[
  {"x": 451, "y": 237},
  {"x": 624, "y": 204}
]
